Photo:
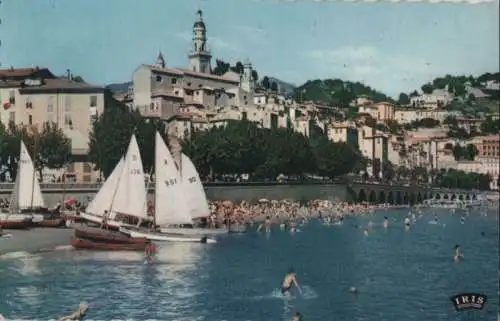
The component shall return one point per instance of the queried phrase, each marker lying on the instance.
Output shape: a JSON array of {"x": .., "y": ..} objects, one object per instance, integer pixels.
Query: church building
[{"x": 163, "y": 92}]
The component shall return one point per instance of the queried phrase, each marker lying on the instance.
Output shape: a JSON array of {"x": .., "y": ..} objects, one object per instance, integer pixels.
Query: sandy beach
[{"x": 34, "y": 240}]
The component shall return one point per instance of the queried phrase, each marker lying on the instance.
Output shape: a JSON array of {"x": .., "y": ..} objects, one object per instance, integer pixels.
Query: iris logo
[{"x": 469, "y": 301}]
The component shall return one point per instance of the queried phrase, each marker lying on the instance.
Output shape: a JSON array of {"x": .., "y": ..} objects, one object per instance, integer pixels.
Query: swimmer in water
[
  {"x": 386, "y": 222},
  {"x": 297, "y": 317},
  {"x": 436, "y": 218},
  {"x": 462, "y": 220},
  {"x": 458, "y": 253},
  {"x": 365, "y": 231},
  {"x": 407, "y": 222},
  {"x": 289, "y": 281},
  {"x": 267, "y": 224}
]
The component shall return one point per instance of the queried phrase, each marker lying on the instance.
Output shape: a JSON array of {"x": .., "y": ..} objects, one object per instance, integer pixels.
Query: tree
[
  {"x": 265, "y": 82},
  {"x": 274, "y": 86},
  {"x": 54, "y": 148},
  {"x": 457, "y": 152},
  {"x": 48, "y": 148},
  {"x": 403, "y": 99},
  {"x": 471, "y": 151},
  {"x": 110, "y": 137},
  {"x": 414, "y": 94},
  {"x": 221, "y": 67},
  {"x": 427, "y": 88},
  {"x": 78, "y": 79},
  {"x": 255, "y": 75}
]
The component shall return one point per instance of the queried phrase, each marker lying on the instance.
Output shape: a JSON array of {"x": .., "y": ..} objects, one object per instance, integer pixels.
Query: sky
[{"x": 392, "y": 47}]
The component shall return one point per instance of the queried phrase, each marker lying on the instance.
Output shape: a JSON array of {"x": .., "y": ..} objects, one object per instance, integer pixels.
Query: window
[
  {"x": 159, "y": 79},
  {"x": 50, "y": 104},
  {"x": 93, "y": 101},
  {"x": 30, "y": 119},
  {"x": 174, "y": 81},
  {"x": 29, "y": 104},
  {"x": 189, "y": 84},
  {"x": 87, "y": 168},
  {"x": 200, "y": 85},
  {"x": 12, "y": 117},
  {"x": 67, "y": 104},
  {"x": 67, "y": 121},
  {"x": 12, "y": 97}
]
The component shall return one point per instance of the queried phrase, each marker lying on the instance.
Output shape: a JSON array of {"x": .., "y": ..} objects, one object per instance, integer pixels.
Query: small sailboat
[
  {"x": 170, "y": 204},
  {"x": 26, "y": 196},
  {"x": 196, "y": 201},
  {"x": 102, "y": 200},
  {"x": 126, "y": 198}
]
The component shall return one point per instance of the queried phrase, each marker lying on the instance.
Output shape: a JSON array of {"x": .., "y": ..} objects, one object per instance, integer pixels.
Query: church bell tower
[{"x": 199, "y": 56}]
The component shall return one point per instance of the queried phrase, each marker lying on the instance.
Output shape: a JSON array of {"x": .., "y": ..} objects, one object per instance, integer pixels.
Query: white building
[{"x": 438, "y": 98}]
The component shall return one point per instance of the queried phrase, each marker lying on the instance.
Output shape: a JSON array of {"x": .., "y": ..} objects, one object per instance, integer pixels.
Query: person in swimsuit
[
  {"x": 297, "y": 317},
  {"x": 79, "y": 314},
  {"x": 289, "y": 282},
  {"x": 386, "y": 222},
  {"x": 458, "y": 253}
]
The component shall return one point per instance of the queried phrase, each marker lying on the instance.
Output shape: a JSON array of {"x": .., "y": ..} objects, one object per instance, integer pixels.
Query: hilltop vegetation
[
  {"x": 456, "y": 84},
  {"x": 336, "y": 92}
]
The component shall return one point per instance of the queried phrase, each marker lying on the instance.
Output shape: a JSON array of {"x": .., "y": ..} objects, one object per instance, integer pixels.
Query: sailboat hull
[
  {"x": 85, "y": 244},
  {"x": 101, "y": 235},
  {"x": 193, "y": 231},
  {"x": 52, "y": 222},
  {"x": 161, "y": 237}
]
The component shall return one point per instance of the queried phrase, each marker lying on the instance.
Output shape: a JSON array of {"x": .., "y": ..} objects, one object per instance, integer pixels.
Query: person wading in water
[{"x": 289, "y": 282}]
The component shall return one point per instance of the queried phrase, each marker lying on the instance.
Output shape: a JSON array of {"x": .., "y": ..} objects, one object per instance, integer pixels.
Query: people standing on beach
[{"x": 288, "y": 282}]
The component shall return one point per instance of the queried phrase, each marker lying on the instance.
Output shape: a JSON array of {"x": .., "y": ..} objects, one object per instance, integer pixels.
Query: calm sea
[{"x": 400, "y": 275}]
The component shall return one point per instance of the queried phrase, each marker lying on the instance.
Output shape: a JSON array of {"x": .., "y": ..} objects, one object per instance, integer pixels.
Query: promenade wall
[{"x": 250, "y": 192}]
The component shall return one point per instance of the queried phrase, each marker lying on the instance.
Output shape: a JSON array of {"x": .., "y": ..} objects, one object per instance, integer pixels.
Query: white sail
[
  {"x": 103, "y": 199},
  {"x": 130, "y": 197},
  {"x": 29, "y": 194},
  {"x": 194, "y": 192},
  {"x": 170, "y": 206}
]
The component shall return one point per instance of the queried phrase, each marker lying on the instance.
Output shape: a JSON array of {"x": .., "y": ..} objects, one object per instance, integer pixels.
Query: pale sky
[{"x": 392, "y": 47}]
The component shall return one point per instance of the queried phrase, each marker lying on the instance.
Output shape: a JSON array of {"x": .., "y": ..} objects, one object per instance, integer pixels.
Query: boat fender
[{"x": 204, "y": 239}]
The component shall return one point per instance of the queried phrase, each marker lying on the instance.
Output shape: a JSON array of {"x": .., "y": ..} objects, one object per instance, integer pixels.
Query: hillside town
[{"x": 430, "y": 129}]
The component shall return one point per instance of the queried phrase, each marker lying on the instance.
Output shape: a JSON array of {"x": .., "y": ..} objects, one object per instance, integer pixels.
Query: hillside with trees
[
  {"x": 336, "y": 92},
  {"x": 457, "y": 84}
]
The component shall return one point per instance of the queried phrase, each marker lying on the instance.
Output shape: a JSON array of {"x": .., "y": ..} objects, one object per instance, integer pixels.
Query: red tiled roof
[
  {"x": 20, "y": 72},
  {"x": 181, "y": 72}
]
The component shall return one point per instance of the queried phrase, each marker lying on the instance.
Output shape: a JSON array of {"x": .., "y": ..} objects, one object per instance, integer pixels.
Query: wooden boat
[
  {"x": 102, "y": 235},
  {"x": 15, "y": 222},
  {"x": 85, "y": 244},
  {"x": 51, "y": 222},
  {"x": 162, "y": 237}
]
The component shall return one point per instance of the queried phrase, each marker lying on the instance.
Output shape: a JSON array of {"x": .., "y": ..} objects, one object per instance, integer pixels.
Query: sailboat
[
  {"x": 102, "y": 200},
  {"x": 26, "y": 195},
  {"x": 195, "y": 198},
  {"x": 123, "y": 193},
  {"x": 170, "y": 203}
]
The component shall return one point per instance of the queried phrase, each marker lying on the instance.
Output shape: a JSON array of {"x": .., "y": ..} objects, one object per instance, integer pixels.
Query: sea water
[{"x": 399, "y": 274}]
